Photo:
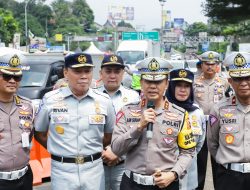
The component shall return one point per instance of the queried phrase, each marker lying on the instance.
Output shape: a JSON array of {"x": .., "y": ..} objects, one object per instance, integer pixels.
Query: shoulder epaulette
[
  {"x": 137, "y": 103},
  {"x": 53, "y": 92},
  {"x": 22, "y": 98},
  {"x": 101, "y": 93},
  {"x": 178, "y": 108}
]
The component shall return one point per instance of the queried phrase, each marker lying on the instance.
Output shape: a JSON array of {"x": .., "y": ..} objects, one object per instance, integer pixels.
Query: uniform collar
[
  {"x": 118, "y": 91},
  {"x": 66, "y": 92}
]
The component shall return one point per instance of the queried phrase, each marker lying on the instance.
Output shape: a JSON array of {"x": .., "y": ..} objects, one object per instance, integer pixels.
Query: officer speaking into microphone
[{"x": 155, "y": 159}]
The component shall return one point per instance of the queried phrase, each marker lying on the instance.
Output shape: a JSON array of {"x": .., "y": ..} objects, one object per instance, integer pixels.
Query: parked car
[{"x": 40, "y": 75}]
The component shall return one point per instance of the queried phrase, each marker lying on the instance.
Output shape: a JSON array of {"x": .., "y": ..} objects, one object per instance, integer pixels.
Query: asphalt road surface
[{"x": 208, "y": 183}]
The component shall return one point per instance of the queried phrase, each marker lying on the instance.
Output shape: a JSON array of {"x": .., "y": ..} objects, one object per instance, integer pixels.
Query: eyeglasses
[
  {"x": 241, "y": 79},
  {"x": 7, "y": 77}
]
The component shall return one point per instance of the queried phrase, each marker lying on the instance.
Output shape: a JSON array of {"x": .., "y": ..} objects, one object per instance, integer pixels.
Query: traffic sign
[{"x": 154, "y": 35}]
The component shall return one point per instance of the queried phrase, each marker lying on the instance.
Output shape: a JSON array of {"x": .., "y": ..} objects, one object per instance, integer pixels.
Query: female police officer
[{"x": 180, "y": 92}]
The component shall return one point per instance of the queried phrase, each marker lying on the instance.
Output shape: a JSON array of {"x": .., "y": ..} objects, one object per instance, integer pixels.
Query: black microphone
[{"x": 150, "y": 124}]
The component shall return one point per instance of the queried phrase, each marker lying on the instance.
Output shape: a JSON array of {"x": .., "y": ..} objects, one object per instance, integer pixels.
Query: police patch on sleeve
[
  {"x": 185, "y": 137},
  {"x": 212, "y": 120},
  {"x": 118, "y": 116}
]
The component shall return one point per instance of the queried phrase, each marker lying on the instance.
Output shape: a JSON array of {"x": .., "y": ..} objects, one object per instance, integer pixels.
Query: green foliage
[
  {"x": 219, "y": 47},
  {"x": 85, "y": 15},
  {"x": 227, "y": 11},
  {"x": 195, "y": 28},
  {"x": 181, "y": 48},
  {"x": 8, "y": 26},
  {"x": 124, "y": 24}
]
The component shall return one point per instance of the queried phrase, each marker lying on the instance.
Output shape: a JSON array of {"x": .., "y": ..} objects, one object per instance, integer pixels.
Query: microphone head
[{"x": 151, "y": 104}]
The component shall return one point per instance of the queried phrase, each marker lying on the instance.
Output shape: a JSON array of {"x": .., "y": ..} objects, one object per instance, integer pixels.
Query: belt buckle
[
  {"x": 14, "y": 175},
  {"x": 246, "y": 168},
  {"x": 79, "y": 160}
]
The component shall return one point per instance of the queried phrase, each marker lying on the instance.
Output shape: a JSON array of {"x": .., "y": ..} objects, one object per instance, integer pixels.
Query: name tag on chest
[
  {"x": 96, "y": 119},
  {"x": 60, "y": 118}
]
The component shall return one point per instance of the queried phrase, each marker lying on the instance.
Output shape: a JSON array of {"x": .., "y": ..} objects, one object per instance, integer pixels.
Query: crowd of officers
[{"x": 111, "y": 137}]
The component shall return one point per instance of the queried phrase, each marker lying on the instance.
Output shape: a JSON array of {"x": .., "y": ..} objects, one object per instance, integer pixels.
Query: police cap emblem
[
  {"x": 82, "y": 59},
  {"x": 113, "y": 58},
  {"x": 153, "y": 65},
  {"x": 239, "y": 60},
  {"x": 182, "y": 73},
  {"x": 210, "y": 55},
  {"x": 14, "y": 61}
]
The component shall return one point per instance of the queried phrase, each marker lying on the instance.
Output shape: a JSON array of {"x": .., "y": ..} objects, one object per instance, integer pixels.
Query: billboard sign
[
  {"x": 121, "y": 13},
  {"x": 166, "y": 19},
  {"x": 178, "y": 23}
]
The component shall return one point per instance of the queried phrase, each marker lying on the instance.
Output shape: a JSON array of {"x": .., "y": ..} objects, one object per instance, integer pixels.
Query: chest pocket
[{"x": 168, "y": 133}]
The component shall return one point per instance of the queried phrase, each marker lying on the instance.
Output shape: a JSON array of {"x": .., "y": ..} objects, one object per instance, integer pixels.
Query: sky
[{"x": 148, "y": 12}]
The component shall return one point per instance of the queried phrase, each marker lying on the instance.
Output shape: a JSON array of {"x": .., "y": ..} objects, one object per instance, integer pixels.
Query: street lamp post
[
  {"x": 162, "y": 2},
  {"x": 26, "y": 23},
  {"x": 68, "y": 40}
]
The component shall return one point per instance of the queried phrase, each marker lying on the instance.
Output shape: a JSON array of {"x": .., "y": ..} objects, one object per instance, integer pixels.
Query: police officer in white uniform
[
  {"x": 111, "y": 74},
  {"x": 79, "y": 120},
  {"x": 228, "y": 136}
]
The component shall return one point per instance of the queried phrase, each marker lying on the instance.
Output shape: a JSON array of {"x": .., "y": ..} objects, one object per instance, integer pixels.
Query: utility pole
[{"x": 26, "y": 24}]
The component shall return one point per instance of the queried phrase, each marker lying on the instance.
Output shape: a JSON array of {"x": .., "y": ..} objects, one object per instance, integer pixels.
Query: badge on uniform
[
  {"x": 212, "y": 120},
  {"x": 125, "y": 99},
  {"x": 135, "y": 113},
  {"x": 25, "y": 140},
  {"x": 97, "y": 108},
  {"x": 229, "y": 139},
  {"x": 96, "y": 119},
  {"x": 60, "y": 118},
  {"x": 168, "y": 140},
  {"x": 216, "y": 98},
  {"x": 59, "y": 129}
]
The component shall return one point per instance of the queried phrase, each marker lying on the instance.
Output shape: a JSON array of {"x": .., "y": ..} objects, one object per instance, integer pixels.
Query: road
[{"x": 208, "y": 183}]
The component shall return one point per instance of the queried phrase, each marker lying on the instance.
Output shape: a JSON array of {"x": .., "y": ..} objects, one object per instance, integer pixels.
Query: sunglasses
[{"x": 7, "y": 77}]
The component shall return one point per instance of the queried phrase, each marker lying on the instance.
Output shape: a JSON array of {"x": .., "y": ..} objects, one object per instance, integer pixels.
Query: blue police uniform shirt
[
  {"x": 121, "y": 97},
  {"x": 76, "y": 127}
]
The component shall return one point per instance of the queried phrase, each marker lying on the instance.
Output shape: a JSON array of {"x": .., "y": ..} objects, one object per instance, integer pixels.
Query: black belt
[
  {"x": 119, "y": 163},
  {"x": 78, "y": 159}
]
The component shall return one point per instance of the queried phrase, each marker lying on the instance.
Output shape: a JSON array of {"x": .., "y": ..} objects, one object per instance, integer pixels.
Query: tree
[
  {"x": 227, "y": 11},
  {"x": 83, "y": 12},
  {"x": 8, "y": 26},
  {"x": 124, "y": 24},
  {"x": 195, "y": 28}
]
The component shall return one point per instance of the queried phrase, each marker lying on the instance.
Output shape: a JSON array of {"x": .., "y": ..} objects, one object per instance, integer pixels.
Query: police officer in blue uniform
[
  {"x": 111, "y": 73},
  {"x": 16, "y": 126},
  {"x": 79, "y": 120}
]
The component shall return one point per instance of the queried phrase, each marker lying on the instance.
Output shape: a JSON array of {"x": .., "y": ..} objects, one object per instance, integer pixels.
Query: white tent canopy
[
  {"x": 5, "y": 50},
  {"x": 93, "y": 50}
]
